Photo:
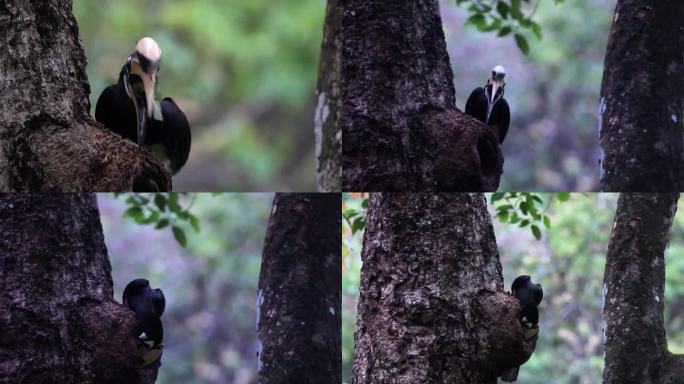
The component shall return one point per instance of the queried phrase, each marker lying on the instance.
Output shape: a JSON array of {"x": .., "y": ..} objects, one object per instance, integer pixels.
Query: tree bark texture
[
  {"x": 401, "y": 128},
  {"x": 327, "y": 119},
  {"x": 641, "y": 113},
  {"x": 432, "y": 308},
  {"x": 634, "y": 284},
  {"x": 59, "y": 322},
  {"x": 48, "y": 142},
  {"x": 300, "y": 291}
]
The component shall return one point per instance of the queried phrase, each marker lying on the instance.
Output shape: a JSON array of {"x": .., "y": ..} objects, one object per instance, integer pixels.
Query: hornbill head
[
  {"x": 140, "y": 80},
  {"x": 494, "y": 89}
]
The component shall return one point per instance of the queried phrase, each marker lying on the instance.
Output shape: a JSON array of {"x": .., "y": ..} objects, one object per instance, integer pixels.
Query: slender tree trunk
[
  {"x": 432, "y": 308},
  {"x": 300, "y": 291},
  {"x": 59, "y": 322},
  {"x": 634, "y": 283},
  {"x": 641, "y": 114},
  {"x": 327, "y": 120},
  {"x": 402, "y": 130},
  {"x": 47, "y": 140}
]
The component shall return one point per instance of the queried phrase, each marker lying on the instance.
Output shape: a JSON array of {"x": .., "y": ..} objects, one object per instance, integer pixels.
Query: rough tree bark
[
  {"x": 300, "y": 291},
  {"x": 641, "y": 113},
  {"x": 327, "y": 127},
  {"x": 59, "y": 322},
  {"x": 401, "y": 128},
  {"x": 432, "y": 308},
  {"x": 48, "y": 142},
  {"x": 634, "y": 284}
]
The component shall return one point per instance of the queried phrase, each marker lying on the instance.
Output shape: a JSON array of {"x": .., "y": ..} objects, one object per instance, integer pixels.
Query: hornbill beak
[
  {"x": 144, "y": 106},
  {"x": 492, "y": 99},
  {"x": 141, "y": 112}
]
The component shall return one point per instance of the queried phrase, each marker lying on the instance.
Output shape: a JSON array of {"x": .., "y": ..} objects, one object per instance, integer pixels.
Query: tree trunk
[
  {"x": 300, "y": 291},
  {"x": 402, "y": 130},
  {"x": 59, "y": 322},
  {"x": 432, "y": 308},
  {"x": 642, "y": 98},
  {"x": 48, "y": 142},
  {"x": 327, "y": 120},
  {"x": 634, "y": 283}
]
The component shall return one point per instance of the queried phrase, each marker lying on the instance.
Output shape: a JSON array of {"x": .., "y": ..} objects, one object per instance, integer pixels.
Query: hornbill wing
[
  {"x": 502, "y": 118},
  {"x": 538, "y": 293},
  {"x": 154, "y": 330},
  {"x": 158, "y": 301},
  {"x": 104, "y": 105},
  {"x": 173, "y": 134},
  {"x": 476, "y": 106}
]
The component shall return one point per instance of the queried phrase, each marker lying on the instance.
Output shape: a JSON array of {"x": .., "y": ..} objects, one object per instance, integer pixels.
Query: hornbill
[
  {"x": 148, "y": 305},
  {"x": 529, "y": 295},
  {"x": 129, "y": 108},
  {"x": 488, "y": 105}
]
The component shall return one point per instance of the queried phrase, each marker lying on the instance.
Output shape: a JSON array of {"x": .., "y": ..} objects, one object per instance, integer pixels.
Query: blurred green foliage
[
  {"x": 244, "y": 71},
  {"x": 569, "y": 262},
  {"x": 553, "y": 92},
  {"x": 505, "y": 17},
  {"x": 210, "y": 285}
]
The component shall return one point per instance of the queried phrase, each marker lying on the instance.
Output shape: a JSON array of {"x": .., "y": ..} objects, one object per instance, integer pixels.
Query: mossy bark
[
  {"x": 300, "y": 291},
  {"x": 633, "y": 293},
  {"x": 641, "y": 112}
]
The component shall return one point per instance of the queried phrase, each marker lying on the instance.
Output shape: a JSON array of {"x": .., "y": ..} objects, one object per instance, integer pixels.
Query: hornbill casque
[
  {"x": 529, "y": 295},
  {"x": 130, "y": 109},
  {"x": 488, "y": 105},
  {"x": 148, "y": 305}
]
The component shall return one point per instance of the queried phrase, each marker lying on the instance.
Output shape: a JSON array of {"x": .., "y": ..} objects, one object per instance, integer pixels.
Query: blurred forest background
[
  {"x": 243, "y": 71},
  {"x": 569, "y": 262},
  {"x": 210, "y": 286},
  {"x": 553, "y": 93}
]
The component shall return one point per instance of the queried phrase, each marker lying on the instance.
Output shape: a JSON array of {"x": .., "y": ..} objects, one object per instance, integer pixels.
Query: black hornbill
[
  {"x": 488, "y": 105},
  {"x": 148, "y": 305},
  {"x": 529, "y": 295},
  {"x": 129, "y": 108}
]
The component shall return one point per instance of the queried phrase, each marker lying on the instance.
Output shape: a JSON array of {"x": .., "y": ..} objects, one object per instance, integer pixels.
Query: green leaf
[
  {"x": 496, "y": 197},
  {"x": 524, "y": 223},
  {"x": 364, "y": 203},
  {"x": 503, "y": 9},
  {"x": 515, "y": 10},
  {"x": 521, "y": 41},
  {"x": 160, "y": 201},
  {"x": 350, "y": 213},
  {"x": 478, "y": 20},
  {"x": 503, "y": 216},
  {"x": 180, "y": 236},
  {"x": 163, "y": 223},
  {"x": 173, "y": 202},
  {"x": 547, "y": 222},
  {"x": 523, "y": 208},
  {"x": 495, "y": 25},
  {"x": 505, "y": 31},
  {"x": 358, "y": 225},
  {"x": 536, "y": 232},
  {"x": 135, "y": 212},
  {"x": 563, "y": 196},
  {"x": 194, "y": 221},
  {"x": 536, "y": 28}
]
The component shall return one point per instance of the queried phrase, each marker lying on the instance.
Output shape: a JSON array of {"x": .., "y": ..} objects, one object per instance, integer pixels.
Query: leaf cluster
[
  {"x": 525, "y": 209},
  {"x": 162, "y": 210},
  {"x": 505, "y": 17}
]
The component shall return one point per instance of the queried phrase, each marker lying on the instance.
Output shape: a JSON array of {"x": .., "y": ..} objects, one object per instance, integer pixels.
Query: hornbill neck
[{"x": 139, "y": 102}]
